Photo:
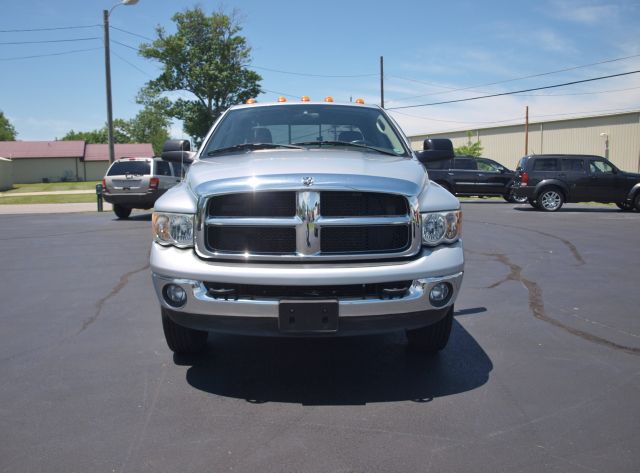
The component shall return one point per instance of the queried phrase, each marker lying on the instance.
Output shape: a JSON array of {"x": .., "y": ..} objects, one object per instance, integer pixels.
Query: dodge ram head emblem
[{"x": 307, "y": 181}]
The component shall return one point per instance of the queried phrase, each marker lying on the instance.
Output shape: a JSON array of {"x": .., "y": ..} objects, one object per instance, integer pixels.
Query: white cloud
[{"x": 585, "y": 12}]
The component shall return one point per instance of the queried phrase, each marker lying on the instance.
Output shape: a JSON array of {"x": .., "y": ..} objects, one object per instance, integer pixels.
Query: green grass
[
  {"x": 48, "y": 199},
  {"x": 52, "y": 186}
]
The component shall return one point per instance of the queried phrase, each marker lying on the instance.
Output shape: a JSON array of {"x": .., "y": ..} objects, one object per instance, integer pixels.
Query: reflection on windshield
[{"x": 305, "y": 125}]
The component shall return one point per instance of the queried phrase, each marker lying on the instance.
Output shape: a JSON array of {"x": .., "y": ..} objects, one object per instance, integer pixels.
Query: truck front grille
[{"x": 308, "y": 225}]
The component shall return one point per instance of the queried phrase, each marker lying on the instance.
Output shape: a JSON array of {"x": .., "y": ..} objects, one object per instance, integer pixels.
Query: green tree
[
  {"x": 150, "y": 125},
  {"x": 206, "y": 57},
  {"x": 470, "y": 149},
  {"x": 7, "y": 131}
]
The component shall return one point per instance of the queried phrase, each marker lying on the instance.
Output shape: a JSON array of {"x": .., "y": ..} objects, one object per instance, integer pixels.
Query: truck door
[
  {"x": 606, "y": 183},
  {"x": 493, "y": 178},
  {"x": 464, "y": 176}
]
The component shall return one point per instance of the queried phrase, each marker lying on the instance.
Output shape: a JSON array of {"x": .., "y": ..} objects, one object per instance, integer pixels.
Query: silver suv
[{"x": 136, "y": 183}]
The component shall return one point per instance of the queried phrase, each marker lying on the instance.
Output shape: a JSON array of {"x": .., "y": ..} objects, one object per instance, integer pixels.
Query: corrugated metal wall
[{"x": 579, "y": 135}]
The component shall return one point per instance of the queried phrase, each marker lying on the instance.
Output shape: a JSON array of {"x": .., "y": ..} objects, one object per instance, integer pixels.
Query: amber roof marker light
[
  {"x": 305, "y": 98},
  {"x": 328, "y": 99},
  {"x": 360, "y": 101},
  {"x": 250, "y": 101},
  {"x": 282, "y": 99}
]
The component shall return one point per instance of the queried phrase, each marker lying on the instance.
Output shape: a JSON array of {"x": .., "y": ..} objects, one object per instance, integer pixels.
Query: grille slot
[
  {"x": 387, "y": 290},
  {"x": 254, "y": 204},
  {"x": 369, "y": 239},
  {"x": 362, "y": 204},
  {"x": 231, "y": 239}
]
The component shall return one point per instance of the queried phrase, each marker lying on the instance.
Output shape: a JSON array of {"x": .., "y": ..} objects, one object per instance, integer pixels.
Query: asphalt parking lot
[{"x": 541, "y": 373}]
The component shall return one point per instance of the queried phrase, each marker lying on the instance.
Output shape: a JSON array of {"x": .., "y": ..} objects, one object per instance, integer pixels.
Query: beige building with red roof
[{"x": 41, "y": 161}]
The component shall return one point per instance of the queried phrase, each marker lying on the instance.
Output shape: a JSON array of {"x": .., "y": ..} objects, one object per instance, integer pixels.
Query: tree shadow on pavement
[{"x": 336, "y": 371}]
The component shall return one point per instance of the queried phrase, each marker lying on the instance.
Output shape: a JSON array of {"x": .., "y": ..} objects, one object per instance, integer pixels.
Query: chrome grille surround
[{"x": 309, "y": 217}]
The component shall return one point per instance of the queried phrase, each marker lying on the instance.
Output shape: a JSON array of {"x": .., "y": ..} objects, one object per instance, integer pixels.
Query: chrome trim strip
[
  {"x": 308, "y": 232},
  {"x": 363, "y": 221},
  {"x": 253, "y": 221}
]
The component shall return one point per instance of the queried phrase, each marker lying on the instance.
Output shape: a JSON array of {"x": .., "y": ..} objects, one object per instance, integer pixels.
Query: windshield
[{"x": 307, "y": 126}]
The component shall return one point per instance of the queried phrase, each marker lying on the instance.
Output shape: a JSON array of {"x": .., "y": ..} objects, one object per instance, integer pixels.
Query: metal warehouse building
[{"x": 585, "y": 135}]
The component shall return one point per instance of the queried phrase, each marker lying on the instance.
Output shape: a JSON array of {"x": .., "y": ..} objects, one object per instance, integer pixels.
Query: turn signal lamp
[
  {"x": 328, "y": 99},
  {"x": 282, "y": 99},
  {"x": 360, "y": 101},
  {"x": 305, "y": 98},
  {"x": 249, "y": 101}
]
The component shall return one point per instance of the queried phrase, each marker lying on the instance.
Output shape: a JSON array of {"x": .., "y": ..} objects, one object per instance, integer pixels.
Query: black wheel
[
  {"x": 625, "y": 206},
  {"x": 182, "y": 339},
  {"x": 432, "y": 338},
  {"x": 533, "y": 203},
  {"x": 636, "y": 202},
  {"x": 550, "y": 199},
  {"x": 508, "y": 198},
  {"x": 120, "y": 211}
]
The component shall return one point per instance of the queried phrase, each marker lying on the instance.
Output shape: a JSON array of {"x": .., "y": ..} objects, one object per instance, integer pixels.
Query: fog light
[
  {"x": 174, "y": 295},
  {"x": 440, "y": 294}
]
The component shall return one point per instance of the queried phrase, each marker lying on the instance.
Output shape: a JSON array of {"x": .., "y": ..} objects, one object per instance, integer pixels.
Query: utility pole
[
  {"x": 381, "y": 81},
  {"x": 107, "y": 71},
  {"x": 526, "y": 130}
]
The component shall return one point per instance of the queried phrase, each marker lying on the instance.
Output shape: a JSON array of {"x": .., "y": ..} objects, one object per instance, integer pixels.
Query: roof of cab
[{"x": 292, "y": 103}]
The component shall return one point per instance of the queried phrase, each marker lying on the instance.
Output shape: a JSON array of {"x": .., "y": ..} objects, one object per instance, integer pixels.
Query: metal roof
[
  {"x": 71, "y": 149},
  {"x": 100, "y": 152},
  {"x": 42, "y": 149}
]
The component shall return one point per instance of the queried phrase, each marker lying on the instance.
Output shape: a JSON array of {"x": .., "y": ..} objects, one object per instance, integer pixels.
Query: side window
[
  {"x": 465, "y": 164},
  {"x": 484, "y": 165},
  {"x": 162, "y": 168},
  {"x": 600, "y": 167},
  {"x": 574, "y": 165},
  {"x": 545, "y": 164}
]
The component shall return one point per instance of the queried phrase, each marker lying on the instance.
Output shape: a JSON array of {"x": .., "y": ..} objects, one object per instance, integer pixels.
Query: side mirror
[
  {"x": 435, "y": 149},
  {"x": 177, "y": 151}
]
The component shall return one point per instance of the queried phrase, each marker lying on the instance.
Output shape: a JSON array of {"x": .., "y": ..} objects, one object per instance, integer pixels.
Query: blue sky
[{"x": 429, "y": 49}]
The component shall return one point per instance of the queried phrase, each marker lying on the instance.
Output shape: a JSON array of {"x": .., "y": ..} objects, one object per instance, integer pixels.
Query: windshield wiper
[
  {"x": 251, "y": 147},
  {"x": 346, "y": 143}
]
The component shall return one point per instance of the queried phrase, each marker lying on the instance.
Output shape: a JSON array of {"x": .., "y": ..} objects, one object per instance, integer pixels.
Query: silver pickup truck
[{"x": 311, "y": 219}]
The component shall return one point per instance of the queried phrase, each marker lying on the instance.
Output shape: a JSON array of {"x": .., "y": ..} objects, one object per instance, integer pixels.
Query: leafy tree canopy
[
  {"x": 470, "y": 149},
  {"x": 150, "y": 125},
  {"x": 207, "y": 58},
  {"x": 7, "y": 131}
]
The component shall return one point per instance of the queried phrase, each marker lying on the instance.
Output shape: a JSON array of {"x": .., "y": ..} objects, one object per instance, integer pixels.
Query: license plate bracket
[{"x": 296, "y": 316}]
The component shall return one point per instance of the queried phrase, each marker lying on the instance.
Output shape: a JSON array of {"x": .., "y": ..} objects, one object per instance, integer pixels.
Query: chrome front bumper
[{"x": 184, "y": 268}]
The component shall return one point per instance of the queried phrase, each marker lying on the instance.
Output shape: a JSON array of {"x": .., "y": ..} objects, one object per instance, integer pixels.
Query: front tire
[
  {"x": 182, "y": 340},
  {"x": 625, "y": 206},
  {"x": 550, "y": 199},
  {"x": 636, "y": 202},
  {"x": 433, "y": 338},
  {"x": 533, "y": 203},
  {"x": 121, "y": 212}
]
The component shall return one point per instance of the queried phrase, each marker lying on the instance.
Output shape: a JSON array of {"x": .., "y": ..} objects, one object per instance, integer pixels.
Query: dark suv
[
  {"x": 468, "y": 175},
  {"x": 549, "y": 180}
]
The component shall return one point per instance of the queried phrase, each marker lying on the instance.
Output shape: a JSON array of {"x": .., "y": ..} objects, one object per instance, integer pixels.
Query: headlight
[
  {"x": 441, "y": 227},
  {"x": 173, "y": 229}
]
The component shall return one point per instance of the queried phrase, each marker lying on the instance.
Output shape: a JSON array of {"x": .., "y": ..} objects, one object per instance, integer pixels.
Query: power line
[
  {"x": 132, "y": 33},
  {"x": 125, "y": 45},
  {"x": 48, "y": 29},
  {"x": 131, "y": 64},
  {"x": 311, "y": 75},
  {"x": 517, "y": 91},
  {"x": 581, "y": 93},
  {"x": 541, "y": 74},
  {"x": 50, "y": 41},
  {"x": 281, "y": 93},
  {"x": 47, "y": 55}
]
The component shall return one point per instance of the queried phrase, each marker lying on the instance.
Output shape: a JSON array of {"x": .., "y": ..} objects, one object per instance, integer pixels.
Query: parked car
[
  {"x": 549, "y": 180},
  {"x": 468, "y": 175},
  {"x": 136, "y": 183},
  {"x": 312, "y": 219}
]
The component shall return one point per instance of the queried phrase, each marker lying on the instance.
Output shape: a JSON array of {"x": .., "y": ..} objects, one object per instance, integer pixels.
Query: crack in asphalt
[
  {"x": 536, "y": 304},
  {"x": 124, "y": 279},
  {"x": 572, "y": 248}
]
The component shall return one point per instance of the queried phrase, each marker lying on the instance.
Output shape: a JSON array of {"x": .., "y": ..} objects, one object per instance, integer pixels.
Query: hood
[{"x": 329, "y": 168}]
